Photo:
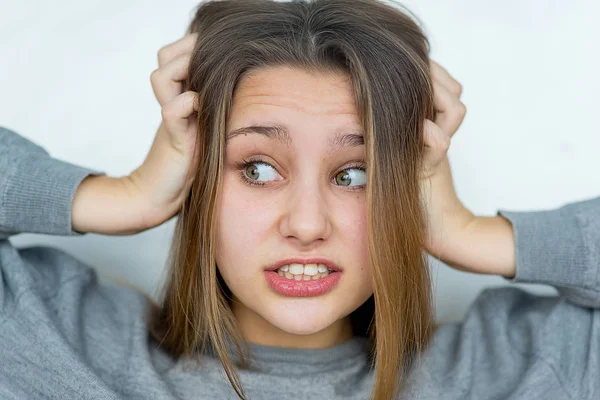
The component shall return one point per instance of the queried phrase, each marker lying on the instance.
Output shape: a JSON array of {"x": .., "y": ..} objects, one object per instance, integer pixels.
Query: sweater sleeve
[
  {"x": 561, "y": 248},
  {"x": 36, "y": 190},
  {"x": 513, "y": 344}
]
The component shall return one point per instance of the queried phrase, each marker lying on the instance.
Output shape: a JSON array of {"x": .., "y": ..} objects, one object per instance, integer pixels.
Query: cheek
[
  {"x": 352, "y": 222},
  {"x": 243, "y": 224}
]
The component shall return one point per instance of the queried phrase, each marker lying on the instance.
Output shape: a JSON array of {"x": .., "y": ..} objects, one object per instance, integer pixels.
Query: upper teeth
[{"x": 307, "y": 269}]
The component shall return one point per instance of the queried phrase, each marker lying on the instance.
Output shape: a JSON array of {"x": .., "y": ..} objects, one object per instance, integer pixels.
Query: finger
[
  {"x": 437, "y": 144},
  {"x": 167, "y": 81},
  {"x": 177, "y": 48},
  {"x": 176, "y": 112},
  {"x": 451, "y": 111},
  {"x": 440, "y": 74}
]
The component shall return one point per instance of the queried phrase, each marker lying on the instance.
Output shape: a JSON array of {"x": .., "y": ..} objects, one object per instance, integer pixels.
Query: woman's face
[{"x": 291, "y": 240}]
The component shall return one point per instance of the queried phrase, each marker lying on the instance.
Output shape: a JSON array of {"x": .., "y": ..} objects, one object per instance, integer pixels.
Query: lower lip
[{"x": 294, "y": 288}]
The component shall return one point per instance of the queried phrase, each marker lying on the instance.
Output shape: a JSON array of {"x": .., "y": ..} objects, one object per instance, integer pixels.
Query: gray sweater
[{"x": 65, "y": 336}]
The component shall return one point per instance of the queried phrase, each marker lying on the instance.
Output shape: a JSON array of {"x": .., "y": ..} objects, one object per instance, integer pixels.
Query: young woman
[{"x": 303, "y": 151}]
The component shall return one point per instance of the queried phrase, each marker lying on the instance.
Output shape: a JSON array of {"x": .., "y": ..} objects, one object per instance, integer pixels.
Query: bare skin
[{"x": 153, "y": 193}]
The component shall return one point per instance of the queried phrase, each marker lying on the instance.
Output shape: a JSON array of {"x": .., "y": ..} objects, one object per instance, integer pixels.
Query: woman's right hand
[{"x": 155, "y": 191}]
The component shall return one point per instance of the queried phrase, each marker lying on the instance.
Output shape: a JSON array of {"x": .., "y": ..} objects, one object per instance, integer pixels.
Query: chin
[{"x": 301, "y": 317}]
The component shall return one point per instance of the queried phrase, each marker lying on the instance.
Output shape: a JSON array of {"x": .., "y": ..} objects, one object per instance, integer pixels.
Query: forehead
[{"x": 284, "y": 89}]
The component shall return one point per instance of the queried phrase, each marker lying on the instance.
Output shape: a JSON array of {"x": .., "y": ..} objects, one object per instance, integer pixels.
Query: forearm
[
  {"x": 482, "y": 245},
  {"x": 36, "y": 190},
  {"x": 560, "y": 247},
  {"x": 555, "y": 247},
  {"x": 106, "y": 205},
  {"x": 40, "y": 194}
]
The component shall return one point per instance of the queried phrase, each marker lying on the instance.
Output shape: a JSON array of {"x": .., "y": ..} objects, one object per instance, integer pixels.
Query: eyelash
[{"x": 245, "y": 163}]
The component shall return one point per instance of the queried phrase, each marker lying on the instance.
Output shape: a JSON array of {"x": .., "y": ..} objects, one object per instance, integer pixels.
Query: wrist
[
  {"x": 153, "y": 199},
  {"x": 106, "y": 205},
  {"x": 484, "y": 245}
]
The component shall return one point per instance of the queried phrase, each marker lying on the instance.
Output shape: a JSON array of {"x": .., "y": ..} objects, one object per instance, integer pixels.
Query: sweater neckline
[{"x": 355, "y": 347}]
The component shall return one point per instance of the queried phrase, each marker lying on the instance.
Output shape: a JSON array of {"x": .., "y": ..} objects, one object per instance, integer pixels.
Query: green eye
[
  {"x": 260, "y": 172},
  {"x": 351, "y": 177},
  {"x": 252, "y": 172},
  {"x": 343, "y": 179}
]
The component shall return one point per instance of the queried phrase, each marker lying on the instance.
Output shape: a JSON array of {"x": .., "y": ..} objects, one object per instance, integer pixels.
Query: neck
[{"x": 257, "y": 330}]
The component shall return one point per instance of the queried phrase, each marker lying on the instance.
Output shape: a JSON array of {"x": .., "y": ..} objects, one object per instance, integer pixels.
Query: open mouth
[
  {"x": 304, "y": 272},
  {"x": 299, "y": 280}
]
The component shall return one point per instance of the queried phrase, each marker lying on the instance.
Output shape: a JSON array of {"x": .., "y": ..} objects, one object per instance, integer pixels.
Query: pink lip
[{"x": 294, "y": 288}]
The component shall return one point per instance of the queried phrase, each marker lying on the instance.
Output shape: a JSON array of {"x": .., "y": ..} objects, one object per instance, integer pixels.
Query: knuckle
[
  {"x": 167, "y": 113},
  {"x": 190, "y": 95},
  {"x": 458, "y": 88},
  {"x": 163, "y": 54},
  {"x": 191, "y": 98},
  {"x": 459, "y": 108},
  {"x": 441, "y": 142},
  {"x": 154, "y": 76},
  {"x": 428, "y": 131},
  {"x": 445, "y": 145}
]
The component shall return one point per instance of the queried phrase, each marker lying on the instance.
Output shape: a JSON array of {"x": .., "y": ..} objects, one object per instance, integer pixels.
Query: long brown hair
[{"x": 385, "y": 54}]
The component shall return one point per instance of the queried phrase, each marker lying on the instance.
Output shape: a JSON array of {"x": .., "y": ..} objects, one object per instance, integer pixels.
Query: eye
[
  {"x": 351, "y": 177},
  {"x": 260, "y": 172}
]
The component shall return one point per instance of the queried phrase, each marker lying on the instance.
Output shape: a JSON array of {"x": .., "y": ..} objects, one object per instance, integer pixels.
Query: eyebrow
[
  {"x": 280, "y": 133},
  {"x": 272, "y": 132}
]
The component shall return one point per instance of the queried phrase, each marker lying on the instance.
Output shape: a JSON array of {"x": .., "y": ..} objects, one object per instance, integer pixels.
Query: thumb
[{"x": 437, "y": 143}]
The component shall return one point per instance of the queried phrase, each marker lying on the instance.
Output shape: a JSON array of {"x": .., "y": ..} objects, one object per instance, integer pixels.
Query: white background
[{"x": 74, "y": 77}]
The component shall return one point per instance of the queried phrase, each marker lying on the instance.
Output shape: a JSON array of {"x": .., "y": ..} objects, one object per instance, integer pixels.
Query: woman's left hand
[
  {"x": 446, "y": 215},
  {"x": 482, "y": 245}
]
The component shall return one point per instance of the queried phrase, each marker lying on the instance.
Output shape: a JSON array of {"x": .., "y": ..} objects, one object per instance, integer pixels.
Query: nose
[{"x": 307, "y": 218}]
